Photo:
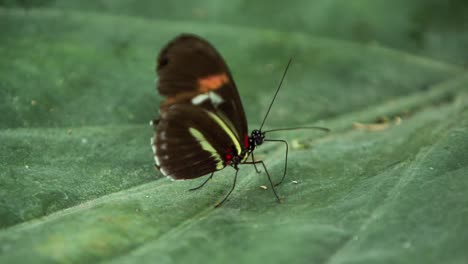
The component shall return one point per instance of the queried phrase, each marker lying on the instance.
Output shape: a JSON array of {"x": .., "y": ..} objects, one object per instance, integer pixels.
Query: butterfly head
[{"x": 256, "y": 138}]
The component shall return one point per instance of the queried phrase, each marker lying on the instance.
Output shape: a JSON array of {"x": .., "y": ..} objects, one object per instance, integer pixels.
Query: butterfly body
[{"x": 202, "y": 126}]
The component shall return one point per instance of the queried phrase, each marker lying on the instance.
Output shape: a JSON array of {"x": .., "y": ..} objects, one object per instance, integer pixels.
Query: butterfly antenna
[
  {"x": 276, "y": 93},
  {"x": 299, "y": 128}
]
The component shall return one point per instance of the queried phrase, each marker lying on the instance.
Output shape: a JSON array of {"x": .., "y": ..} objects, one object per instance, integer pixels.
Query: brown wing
[
  {"x": 190, "y": 143},
  {"x": 191, "y": 71}
]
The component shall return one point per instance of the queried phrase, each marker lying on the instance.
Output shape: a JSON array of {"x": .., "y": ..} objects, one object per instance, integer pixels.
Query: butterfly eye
[{"x": 258, "y": 141}]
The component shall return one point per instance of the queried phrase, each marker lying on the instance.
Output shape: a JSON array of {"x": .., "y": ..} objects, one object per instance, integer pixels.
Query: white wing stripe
[
  {"x": 227, "y": 130},
  {"x": 207, "y": 147}
]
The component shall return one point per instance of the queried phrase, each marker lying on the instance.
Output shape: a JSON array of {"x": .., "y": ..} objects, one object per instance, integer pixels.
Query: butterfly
[{"x": 202, "y": 127}]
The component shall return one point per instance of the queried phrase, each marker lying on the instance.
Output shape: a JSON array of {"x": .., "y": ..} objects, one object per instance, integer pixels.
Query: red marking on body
[
  {"x": 212, "y": 82},
  {"x": 228, "y": 159},
  {"x": 246, "y": 140}
]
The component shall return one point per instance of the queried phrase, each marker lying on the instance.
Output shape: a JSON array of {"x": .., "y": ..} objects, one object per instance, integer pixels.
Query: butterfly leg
[
  {"x": 232, "y": 188},
  {"x": 198, "y": 187},
  {"x": 253, "y": 160},
  {"x": 285, "y": 160},
  {"x": 268, "y": 175}
]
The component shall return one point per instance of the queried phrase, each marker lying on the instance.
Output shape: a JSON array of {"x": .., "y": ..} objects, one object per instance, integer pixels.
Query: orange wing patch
[
  {"x": 206, "y": 84},
  {"x": 179, "y": 98},
  {"x": 212, "y": 82}
]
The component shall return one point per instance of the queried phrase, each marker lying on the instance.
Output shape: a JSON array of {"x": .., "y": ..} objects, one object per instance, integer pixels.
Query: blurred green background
[{"x": 77, "y": 90}]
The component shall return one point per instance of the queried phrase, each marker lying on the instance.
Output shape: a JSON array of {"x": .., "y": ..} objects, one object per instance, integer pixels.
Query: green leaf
[{"x": 387, "y": 185}]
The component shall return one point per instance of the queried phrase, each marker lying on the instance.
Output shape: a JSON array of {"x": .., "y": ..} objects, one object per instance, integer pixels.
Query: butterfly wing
[
  {"x": 191, "y": 71},
  {"x": 202, "y": 122},
  {"x": 191, "y": 142}
]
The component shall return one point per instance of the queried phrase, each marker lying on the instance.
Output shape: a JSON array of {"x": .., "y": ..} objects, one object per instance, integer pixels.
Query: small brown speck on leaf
[
  {"x": 376, "y": 126},
  {"x": 370, "y": 127}
]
